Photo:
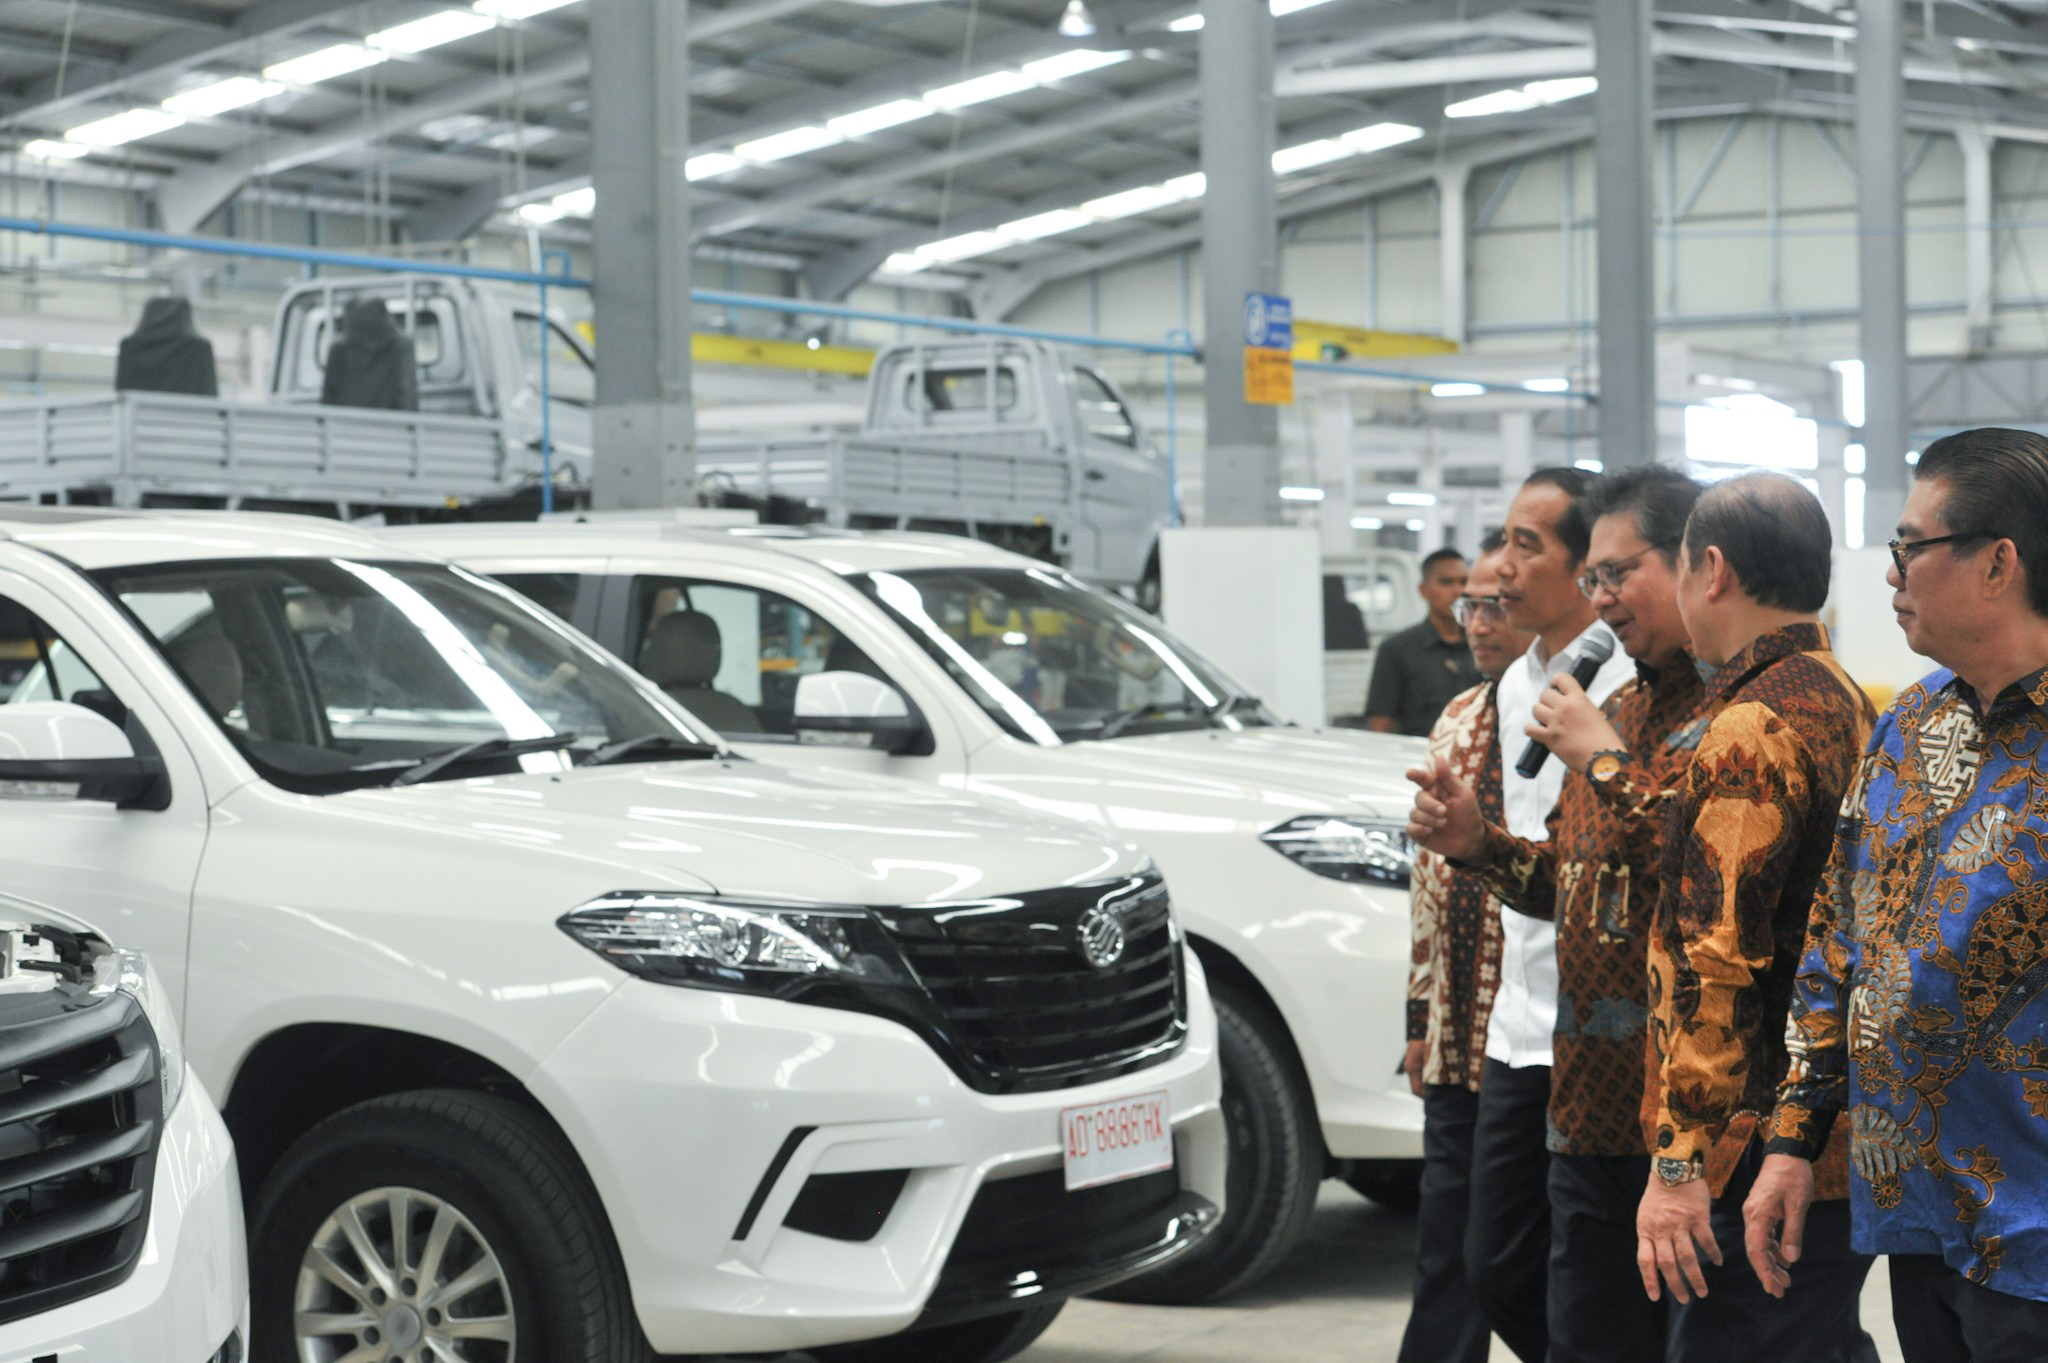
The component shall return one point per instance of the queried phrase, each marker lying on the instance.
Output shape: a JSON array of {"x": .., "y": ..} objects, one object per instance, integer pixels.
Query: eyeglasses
[
  {"x": 1466, "y": 609},
  {"x": 1609, "y": 575},
  {"x": 1901, "y": 548}
]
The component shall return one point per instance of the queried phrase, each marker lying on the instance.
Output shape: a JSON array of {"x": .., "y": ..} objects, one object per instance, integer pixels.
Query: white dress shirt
[{"x": 1525, "y": 1007}]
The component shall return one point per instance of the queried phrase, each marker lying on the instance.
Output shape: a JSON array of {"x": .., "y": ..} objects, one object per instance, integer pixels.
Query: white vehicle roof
[
  {"x": 95, "y": 537},
  {"x": 838, "y": 551}
]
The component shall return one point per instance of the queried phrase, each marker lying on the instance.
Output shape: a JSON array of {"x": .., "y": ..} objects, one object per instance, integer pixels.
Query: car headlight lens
[
  {"x": 719, "y": 943},
  {"x": 131, "y": 973},
  {"x": 1346, "y": 847}
]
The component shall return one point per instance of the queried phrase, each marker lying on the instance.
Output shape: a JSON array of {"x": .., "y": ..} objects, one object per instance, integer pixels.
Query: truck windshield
[
  {"x": 335, "y": 674},
  {"x": 1054, "y": 661}
]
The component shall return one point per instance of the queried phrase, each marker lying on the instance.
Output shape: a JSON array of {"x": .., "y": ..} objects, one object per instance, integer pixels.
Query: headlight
[
  {"x": 131, "y": 973},
  {"x": 1346, "y": 847},
  {"x": 718, "y": 943}
]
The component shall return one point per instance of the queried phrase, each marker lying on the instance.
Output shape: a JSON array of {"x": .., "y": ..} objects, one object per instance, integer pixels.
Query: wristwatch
[
  {"x": 1603, "y": 765},
  {"x": 1672, "y": 1172}
]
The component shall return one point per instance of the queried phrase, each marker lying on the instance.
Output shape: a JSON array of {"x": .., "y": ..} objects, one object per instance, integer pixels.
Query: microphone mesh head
[{"x": 1599, "y": 648}]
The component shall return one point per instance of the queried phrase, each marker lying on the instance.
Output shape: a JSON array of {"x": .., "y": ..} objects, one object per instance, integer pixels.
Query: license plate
[{"x": 1120, "y": 1139}]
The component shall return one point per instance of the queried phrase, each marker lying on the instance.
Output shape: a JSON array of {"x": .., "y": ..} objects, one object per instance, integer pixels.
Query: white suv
[
  {"x": 123, "y": 1226},
  {"x": 548, "y": 1027},
  {"x": 984, "y": 671}
]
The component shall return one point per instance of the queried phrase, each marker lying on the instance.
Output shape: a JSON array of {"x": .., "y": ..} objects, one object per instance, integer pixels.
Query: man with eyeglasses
[
  {"x": 1774, "y": 745},
  {"x": 1417, "y": 670},
  {"x": 1507, "y": 1242},
  {"x": 1918, "y": 1010},
  {"x": 1454, "y": 970},
  {"x": 1595, "y": 878}
]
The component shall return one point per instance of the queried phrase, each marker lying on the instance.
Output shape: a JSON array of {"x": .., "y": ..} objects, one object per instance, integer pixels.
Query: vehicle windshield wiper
[
  {"x": 433, "y": 764},
  {"x": 1229, "y": 704},
  {"x": 655, "y": 746},
  {"x": 1114, "y": 724}
]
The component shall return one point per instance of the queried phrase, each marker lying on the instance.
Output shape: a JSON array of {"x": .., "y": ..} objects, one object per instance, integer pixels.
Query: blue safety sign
[{"x": 1268, "y": 321}]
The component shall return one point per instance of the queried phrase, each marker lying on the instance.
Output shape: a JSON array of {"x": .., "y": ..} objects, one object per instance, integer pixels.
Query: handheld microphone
[{"x": 1594, "y": 652}]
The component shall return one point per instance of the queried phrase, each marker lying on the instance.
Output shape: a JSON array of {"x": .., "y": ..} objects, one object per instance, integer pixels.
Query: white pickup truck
[
  {"x": 548, "y": 1027},
  {"x": 1017, "y": 442},
  {"x": 978, "y": 670}
]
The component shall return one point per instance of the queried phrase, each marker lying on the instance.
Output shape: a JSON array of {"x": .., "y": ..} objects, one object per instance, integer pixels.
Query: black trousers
[
  {"x": 1816, "y": 1321},
  {"x": 1598, "y": 1309},
  {"x": 1507, "y": 1237},
  {"x": 1444, "y": 1325},
  {"x": 1943, "y": 1317}
]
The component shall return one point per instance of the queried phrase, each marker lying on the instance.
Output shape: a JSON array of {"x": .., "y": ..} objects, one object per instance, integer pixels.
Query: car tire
[
  {"x": 519, "y": 1227},
  {"x": 987, "y": 1339},
  {"x": 1276, "y": 1165}
]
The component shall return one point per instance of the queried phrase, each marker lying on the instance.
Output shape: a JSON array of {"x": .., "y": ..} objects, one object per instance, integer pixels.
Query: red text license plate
[{"x": 1116, "y": 1140}]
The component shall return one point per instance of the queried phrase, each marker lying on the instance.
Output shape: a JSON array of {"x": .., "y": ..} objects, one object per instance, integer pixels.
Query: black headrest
[{"x": 682, "y": 649}]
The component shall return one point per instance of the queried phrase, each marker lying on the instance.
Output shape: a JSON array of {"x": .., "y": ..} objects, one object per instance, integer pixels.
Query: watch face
[{"x": 1603, "y": 766}]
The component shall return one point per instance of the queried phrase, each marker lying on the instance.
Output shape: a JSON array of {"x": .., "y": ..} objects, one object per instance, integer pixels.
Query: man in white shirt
[{"x": 1507, "y": 1244}]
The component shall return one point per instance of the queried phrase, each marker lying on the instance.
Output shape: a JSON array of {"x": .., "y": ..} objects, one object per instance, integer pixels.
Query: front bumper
[
  {"x": 189, "y": 1293},
  {"x": 707, "y": 1121}
]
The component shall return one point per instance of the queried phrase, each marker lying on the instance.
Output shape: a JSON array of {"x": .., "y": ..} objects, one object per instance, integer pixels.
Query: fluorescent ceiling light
[
  {"x": 861, "y": 122},
  {"x": 1379, "y": 136},
  {"x": 1411, "y": 499},
  {"x": 1045, "y": 224},
  {"x": 1301, "y": 494},
  {"x": 325, "y": 64},
  {"x": 709, "y": 164},
  {"x": 1187, "y": 23},
  {"x": 222, "y": 96},
  {"x": 903, "y": 262},
  {"x": 961, "y": 247},
  {"x": 1559, "y": 90},
  {"x": 994, "y": 85},
  {"x": 540, "y": 212},
  {"x": 1287, "y": 160},
  {"x": 1189, "y": 186},
  {"x": 1069, "y": 64},
  {"x": 124, "y": 127},
  {"x": 780, "y": 146},
  {"x": 1076, "y": 21},
  {"x": 1456, "y": 390},
  {"x": 518, "y": 9},
  {"x": 445, "y": 27},
  {"x": 1499, "y": 102},
  {"x": 1589, "y": 465},
  {"x": 1367, "y": 523},
  {"x": 579, "y": 202},
  {"x": 1547, "y": 385},
  {"x": 1415, "y": 525},
  {"x": 1131, "y": 201},
  {"x": 43, "y": 149}
]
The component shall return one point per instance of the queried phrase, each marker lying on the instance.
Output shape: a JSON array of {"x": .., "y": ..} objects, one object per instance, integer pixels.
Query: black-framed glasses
[
  {"x": 1901, "y": 548},
  {"x": 1610, "y": 574},
  {"x": 1467, "y": 609}
]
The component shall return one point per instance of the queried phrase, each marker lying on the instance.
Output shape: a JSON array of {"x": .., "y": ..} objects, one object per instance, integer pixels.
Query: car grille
[
  {"x": 1019, "y": 1002},
  {"x": 80, "y": 1113}
]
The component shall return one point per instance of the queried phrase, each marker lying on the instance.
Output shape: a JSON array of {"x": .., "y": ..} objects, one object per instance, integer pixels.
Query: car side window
[
  {"x": 36, "y": 664},
  {"x": 553, "y": 592},
  {"x": 732, "y": 654}
]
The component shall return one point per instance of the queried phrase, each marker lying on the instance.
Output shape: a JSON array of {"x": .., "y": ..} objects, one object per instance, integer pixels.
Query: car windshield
[
  {"x": 334, "y": 674},
  {"x": 1055, "y": 661}
]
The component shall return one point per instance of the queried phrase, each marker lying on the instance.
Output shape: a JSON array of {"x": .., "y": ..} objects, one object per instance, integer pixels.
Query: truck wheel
[
  {"x": 436, "y": 1227},
  {"x": 988, "y": 1339},
  {"x": 1276, "y": 1165}
]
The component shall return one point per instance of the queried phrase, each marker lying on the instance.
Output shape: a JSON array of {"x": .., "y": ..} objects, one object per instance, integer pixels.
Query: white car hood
[
  {"x": 1265, "y": 774},
  {"x": 747, "y": 828}
]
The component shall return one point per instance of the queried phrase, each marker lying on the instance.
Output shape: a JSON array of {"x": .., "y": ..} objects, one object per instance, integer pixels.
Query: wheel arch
[{"x": 1226, "y": 971}]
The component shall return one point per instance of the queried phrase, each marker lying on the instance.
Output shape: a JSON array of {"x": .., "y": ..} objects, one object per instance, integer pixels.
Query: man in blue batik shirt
[{"x": 1919, "y": 1013}]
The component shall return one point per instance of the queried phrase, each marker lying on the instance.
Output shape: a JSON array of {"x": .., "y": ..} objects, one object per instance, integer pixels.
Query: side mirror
[
  {"x": 854, "y": 710},
  {"x": 54, "y": 750}
]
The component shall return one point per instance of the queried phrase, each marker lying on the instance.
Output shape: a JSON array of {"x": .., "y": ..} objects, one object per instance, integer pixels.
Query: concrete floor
[{"x": 1342, "y": 1297}]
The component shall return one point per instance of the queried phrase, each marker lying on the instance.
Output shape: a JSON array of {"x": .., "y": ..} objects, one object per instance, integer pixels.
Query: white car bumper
[
  {"x": 702, "y": 1117},
  {"x": 189, "y": 1293}
]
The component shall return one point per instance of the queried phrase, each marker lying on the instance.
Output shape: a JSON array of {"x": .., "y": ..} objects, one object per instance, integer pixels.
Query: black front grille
[
  {"x": 1020, "y": 1001},
  {"x": 80, "y": 1113}
]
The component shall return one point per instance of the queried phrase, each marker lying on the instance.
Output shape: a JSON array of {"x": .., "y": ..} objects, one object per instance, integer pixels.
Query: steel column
[
  {"x": 1881, "y": 259},
  {"x": 1979, "y": 252},
  {"x": 1627, "y": 272},
  {"x": 1240, "y": 255},
  {"x": 640, "y": 115},
  {"x": 1453, "y": 248}
]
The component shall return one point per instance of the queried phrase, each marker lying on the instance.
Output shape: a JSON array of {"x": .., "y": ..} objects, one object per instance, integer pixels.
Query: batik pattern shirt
[
  {"x": 1454, "y": 967},
  {"x": 1784, "y": 729},
  {"x": 1597, "y": 876},
  {"x": 1918, "y": 1006}
]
